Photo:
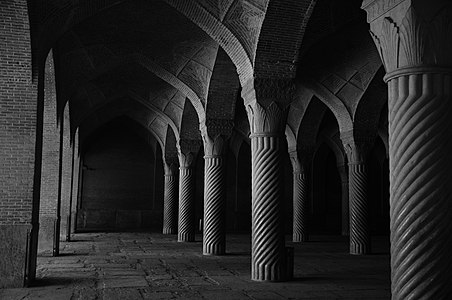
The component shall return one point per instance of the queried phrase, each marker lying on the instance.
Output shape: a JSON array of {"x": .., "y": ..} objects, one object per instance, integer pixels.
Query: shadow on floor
[
  {"x": 246, "y": 253},
  {"x": 51, "y": 281}
]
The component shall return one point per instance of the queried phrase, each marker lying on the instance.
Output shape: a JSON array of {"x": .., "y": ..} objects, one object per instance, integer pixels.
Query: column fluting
[{"x": 214, "y": 240}]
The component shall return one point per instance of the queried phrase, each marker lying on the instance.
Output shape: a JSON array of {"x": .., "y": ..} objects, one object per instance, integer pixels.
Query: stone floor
[{"x": 154, "y": 266}]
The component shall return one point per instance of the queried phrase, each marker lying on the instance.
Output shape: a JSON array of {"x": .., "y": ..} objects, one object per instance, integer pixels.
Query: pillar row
[
  {"x": 300, "y": 200},
  {"x": 267, "y": 125},
  {"x": 214, "y": 240},
  {"x": 268, "y": 261},
  {"x": 214, "y": 132},
  {"x": 415, "y": 44},
  {"x": 170, "y": 199},
  {"x": 186, "y": 229},
  {"x": 359, "y": 209},
  {"x": 356, "y": 149},
  {"x": 186, "y": 226}
]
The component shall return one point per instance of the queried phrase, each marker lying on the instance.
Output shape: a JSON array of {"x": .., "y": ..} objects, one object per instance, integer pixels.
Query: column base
[
  {"x": 214, "y": 250},
  {"x": 299, "y": 238},
  {"x": 359, "y": 249},
  {"x": 169, "y": 230},
  {"x": 186, "y": 237},
  {"x": 269, "y": 273}
]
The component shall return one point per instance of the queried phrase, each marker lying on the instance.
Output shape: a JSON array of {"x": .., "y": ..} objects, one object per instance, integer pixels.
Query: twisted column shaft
[
  {"x": 268, "y": 250},
  {"x": 420, "y": 143},
  {"x": 186, "y": 228},
  {"x": 214, "y": 207},
  {"x": 170, "y": 204},
  {"x": 359, "y": 209},
  {"x": 300, "y": 207}
]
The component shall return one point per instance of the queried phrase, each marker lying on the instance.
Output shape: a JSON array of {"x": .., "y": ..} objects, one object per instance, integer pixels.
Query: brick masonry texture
[{"x": 18, "y": 105}]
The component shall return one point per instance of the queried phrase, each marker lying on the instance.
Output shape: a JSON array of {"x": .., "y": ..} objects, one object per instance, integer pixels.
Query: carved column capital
[
  {"x": 412, "y": 37},
  {"x": 170, "y": 165},
  {"x": 213, "y": 147},
  {"x": 356, "y": 147},
  {"x": 187, "y": 150},
  {"x": 214, "y": 134},
  {"x": 268, "y": 121}
]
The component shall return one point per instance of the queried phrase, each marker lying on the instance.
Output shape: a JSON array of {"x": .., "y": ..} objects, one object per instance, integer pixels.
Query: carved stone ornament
[
  {"x": 414, "y": 42},
  {"x": 270, "y": 120},
  {"x": 214, "y": 134},
  {"x": 356, "y": 148},
  {"x": 171, "y": 165},
  {"x": 186, "y": 160},
  {"x": 187, "y": 150},
  {"x": 213, "y": 146}
]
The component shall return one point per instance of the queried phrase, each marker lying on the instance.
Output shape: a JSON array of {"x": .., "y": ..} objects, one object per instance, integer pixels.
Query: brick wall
[
  {"x": 18, "y": 145},
  {"x": 18, "y": 97}
]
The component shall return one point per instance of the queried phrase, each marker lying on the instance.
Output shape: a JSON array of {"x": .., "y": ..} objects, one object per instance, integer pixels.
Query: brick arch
[
  {"x": 234, "y": 24},
  {"x": 335, "y": 104},
  {"x": 343, "y": 72},
  {"x": 192, "y": 79},
  {"x": 279, "y": 41},
  {"x": 132, "y": 107},
  {"x": 96, "y": 124},
  {"x": 129, "y": 101},
  {"x": 297, "y": 111},
  {"x": 153, "y": 68}
]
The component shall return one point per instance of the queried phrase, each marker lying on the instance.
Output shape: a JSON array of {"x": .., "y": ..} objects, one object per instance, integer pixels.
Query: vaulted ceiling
[{"x": 175, "y": 64}]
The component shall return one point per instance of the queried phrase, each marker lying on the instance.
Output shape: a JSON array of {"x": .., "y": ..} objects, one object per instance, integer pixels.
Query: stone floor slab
[{"x": 156, "y": 266}]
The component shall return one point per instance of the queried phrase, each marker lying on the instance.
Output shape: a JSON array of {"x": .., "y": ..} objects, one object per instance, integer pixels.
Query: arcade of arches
[{"x": 279, "y": 118}]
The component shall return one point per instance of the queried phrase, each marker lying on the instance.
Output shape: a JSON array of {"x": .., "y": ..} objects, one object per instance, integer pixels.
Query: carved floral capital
[
  {"x": 187, "y": 151},
  {"x": 406, "y": 40},
  {"x": 357, "y": 148},
  {"x": 270, "y": 120}
]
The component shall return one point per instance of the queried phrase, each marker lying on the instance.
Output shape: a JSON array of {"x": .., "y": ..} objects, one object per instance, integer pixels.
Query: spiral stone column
[
  {"x": 415, "y": 44},
  {"x": 186, "y": 228},
  {"x": 356, "y": 149},
  {"x": 170, "y": 198},
  {"x": 300, "y": 200},
  {"x": 214, "y": 207},
  {"x": 214, "y": 239},
  {"x": 263, "y": 99}
]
